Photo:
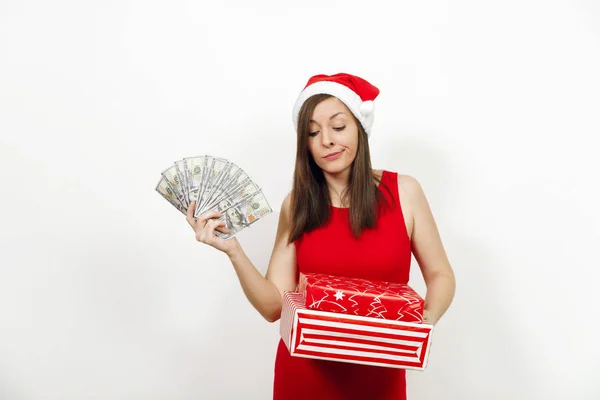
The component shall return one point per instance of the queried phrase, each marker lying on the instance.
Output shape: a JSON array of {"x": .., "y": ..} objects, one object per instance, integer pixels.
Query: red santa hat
[{"x": 355, "y": 92}]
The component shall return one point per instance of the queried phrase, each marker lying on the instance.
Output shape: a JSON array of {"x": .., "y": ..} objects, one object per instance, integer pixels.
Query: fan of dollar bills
[{"x": 215, "y": 184}]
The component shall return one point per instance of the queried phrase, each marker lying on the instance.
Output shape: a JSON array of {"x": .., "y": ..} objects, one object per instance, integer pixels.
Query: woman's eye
[
  {"x": 313, "y": 133},
  {"x": 341, "y": 128}
]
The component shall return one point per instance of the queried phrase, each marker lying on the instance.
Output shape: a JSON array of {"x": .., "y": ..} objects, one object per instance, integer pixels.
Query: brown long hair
[{"x": 310, "y": 198}]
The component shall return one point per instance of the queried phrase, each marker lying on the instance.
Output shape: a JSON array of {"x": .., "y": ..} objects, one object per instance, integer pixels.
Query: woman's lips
[{"x": 333, "y": 156}]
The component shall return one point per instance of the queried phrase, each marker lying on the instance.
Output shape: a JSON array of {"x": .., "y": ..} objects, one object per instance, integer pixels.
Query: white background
[{"x": 104, "y": 293}]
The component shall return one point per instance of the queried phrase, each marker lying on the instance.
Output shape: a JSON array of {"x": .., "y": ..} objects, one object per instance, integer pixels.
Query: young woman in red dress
[{"x": 341, "y": 217}]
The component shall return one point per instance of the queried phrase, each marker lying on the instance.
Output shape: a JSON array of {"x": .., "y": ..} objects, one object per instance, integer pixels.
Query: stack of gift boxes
[{"x": 357, "y": 321}]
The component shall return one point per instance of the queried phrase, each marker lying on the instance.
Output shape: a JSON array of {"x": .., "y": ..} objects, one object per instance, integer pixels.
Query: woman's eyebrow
[{"x": 330, "y": 118}]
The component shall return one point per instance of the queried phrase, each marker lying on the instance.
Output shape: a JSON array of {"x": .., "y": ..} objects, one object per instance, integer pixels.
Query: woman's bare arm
[
  {"x": 429, "y": 252},
  {"x": 264, "y": 293}
]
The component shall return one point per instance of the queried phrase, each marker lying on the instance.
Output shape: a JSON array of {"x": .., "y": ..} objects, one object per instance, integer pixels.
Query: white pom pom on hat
[
  {"x": 355, "y": 92},
  {"x": 367, "y": 107}
]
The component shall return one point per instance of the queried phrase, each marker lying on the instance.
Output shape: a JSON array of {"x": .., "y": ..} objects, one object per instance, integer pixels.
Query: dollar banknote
[
  {"x": 194, "y": 170},
  {"x": 207, "y": 162},
  {"x": 172, "y": 178},
  {"x": 233, "y": 178},
  {"x": 181, "y": 173},
  {"x": 230, "y": 196},
  {"x": 165, "y": 191},
  {"x": 216, "y": 170},
  {"x": 214, "y": 183},
  {"x": 243, "y": 214},
  {"x": 222, "y": 176}
]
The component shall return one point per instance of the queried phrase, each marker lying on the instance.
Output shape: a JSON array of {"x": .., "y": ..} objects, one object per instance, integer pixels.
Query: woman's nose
[{"x": 327, "y": 138}]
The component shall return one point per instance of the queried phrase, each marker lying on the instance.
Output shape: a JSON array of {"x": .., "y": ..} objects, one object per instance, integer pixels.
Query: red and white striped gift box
[{"x": 355, "y": 339}]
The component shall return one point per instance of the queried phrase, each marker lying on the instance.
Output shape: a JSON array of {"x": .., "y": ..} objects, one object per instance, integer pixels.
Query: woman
[{"x": 341, "y": 217}]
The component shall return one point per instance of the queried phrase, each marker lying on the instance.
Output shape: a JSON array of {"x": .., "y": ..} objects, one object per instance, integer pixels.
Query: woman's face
[{"x": 333, "y": 136}]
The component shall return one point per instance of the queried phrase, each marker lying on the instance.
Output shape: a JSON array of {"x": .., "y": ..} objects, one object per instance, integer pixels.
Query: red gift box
[
  {"x": 353, "y": 339},
  {"x": 367, "y": 298}
]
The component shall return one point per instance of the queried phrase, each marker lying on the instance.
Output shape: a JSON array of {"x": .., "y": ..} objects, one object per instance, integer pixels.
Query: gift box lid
[{"x": 359, "y": 296}]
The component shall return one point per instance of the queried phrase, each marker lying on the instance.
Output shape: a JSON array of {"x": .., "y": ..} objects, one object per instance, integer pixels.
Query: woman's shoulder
[
  {"x": 286, "y": 203},
  {"x": 407, "y": 184},
  {"x": 402, "y": 178}
]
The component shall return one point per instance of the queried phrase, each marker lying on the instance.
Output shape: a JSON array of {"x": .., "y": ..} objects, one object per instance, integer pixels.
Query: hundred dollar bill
[
  {"x": 194, "y": 167},
  {"x": 215, "y": 170},
  {"x": 220, "y": 181},
  {"x": 232, "y": 196},
  {"x": 236, "y": 177},
  {"x": 207, "y": 162},
  {"x": 228, "y": 184},
  {"x": 172, "y": 178},
  {"x": 232, "y": 179},
  {"x": 236, "y": 195},
  {"x": 164, "y": 189},
  {"x": 181, "y": 172},
  {"x": 244, "y": 214}
]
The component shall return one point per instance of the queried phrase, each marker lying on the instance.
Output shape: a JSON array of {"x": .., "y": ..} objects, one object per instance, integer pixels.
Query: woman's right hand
[{"x": 205, "y": 225}]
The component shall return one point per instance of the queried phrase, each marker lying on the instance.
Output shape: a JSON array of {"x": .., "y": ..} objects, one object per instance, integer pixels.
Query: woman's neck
[{"x": 337, "y": 183}]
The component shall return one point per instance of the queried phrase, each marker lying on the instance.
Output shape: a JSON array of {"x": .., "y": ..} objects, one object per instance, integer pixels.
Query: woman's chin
[{"x": 334, "y": 168}]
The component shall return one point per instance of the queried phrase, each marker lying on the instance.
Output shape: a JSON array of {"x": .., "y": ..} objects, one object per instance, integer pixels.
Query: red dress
[{"x": 382, "y": 253}]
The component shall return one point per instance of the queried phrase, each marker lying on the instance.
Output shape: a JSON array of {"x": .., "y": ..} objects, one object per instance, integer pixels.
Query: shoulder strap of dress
[{"x": 390, "y": 188}]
